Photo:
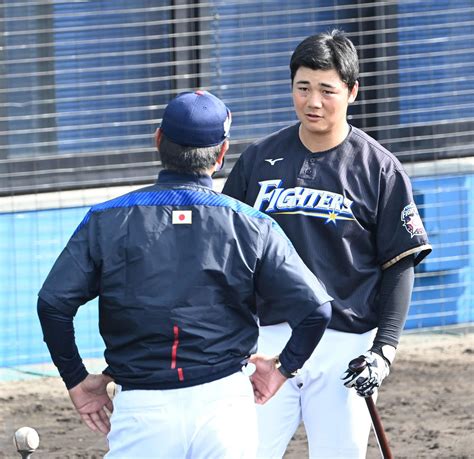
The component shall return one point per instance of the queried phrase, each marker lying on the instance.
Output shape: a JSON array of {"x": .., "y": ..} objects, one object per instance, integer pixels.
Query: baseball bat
[{"x": 357, "y": 365}]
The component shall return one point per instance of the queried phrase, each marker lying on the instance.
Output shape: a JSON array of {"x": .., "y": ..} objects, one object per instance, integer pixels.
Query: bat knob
[{"x": 358, "y": 364}]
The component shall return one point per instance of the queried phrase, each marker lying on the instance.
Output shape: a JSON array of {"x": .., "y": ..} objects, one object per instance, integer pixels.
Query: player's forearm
[
  {"x": 58, "y": 334},
  {"x": 395, "y": 294},
  {"x": 304, "y": 338}
]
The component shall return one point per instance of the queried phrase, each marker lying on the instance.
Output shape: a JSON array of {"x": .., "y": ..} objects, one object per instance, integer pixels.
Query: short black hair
[
  {"x": 325, "y": 51},
  {"x": 188, "y": 160}
]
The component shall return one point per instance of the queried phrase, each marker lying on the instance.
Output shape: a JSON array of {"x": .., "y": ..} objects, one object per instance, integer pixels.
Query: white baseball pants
[
  {"x": 336, "y": 419},
  {"x": 213, "y": 420}
]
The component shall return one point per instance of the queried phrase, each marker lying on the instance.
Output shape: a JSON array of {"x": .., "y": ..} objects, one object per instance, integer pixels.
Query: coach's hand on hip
[
  {"x": 92, "y": 402},
  {"x": 266, "y": 380}
]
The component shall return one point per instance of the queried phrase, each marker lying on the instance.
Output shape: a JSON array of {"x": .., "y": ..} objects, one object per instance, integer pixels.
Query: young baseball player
[
  {"x": 347, "y": 205},
  {"x": 176, "y": 267}
]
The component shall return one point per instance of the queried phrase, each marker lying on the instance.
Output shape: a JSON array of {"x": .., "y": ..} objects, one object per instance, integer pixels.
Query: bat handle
[{"x": 357, "y": 365}]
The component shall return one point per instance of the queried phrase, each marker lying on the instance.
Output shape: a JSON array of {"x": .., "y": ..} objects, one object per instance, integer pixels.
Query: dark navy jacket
[{"x": 176, "y": 267}]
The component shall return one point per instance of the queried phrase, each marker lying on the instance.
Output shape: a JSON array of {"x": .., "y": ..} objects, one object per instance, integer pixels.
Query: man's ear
[
  {"x": 224, "y": 148},
  {"x": 354, "y": 92},
  {"x": 158, "y": 137}
]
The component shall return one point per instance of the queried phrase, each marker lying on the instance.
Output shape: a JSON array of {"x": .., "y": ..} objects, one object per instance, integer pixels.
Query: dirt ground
[{"x": 426, "y": 406}]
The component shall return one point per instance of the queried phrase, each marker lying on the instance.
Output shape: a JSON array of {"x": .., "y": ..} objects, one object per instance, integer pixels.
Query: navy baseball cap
[{"x": 196, "y": 119}]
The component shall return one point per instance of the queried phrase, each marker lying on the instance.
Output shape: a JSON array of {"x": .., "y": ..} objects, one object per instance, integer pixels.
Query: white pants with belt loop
[
  {"x": 212, "y": 420},
  {"x": 336, "y": 419}
]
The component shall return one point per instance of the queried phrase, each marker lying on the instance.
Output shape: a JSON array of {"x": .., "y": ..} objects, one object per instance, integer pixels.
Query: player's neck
[{"x": 319, "y": 142}]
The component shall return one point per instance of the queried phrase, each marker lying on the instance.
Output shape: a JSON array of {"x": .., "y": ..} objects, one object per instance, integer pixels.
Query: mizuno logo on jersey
[
  {"x": 299, "y": 200},
  {"x": 273, "y": 161}
]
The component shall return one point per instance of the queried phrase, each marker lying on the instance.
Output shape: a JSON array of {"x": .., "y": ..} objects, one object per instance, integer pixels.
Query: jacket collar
[{"x": 173, "y": 177}]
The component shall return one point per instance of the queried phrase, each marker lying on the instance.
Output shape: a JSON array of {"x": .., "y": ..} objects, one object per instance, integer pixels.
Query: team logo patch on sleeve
[
  {"x": 412, "y": 221},
  {"x": 182, "y": 217}
]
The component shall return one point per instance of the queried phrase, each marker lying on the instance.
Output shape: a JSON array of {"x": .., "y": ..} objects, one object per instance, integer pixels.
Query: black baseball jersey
[
  {"x": 176, "y": 267},
  {"x": 349, "y": 212}
]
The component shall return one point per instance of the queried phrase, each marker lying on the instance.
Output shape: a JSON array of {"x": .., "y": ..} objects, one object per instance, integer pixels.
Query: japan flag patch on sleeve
[
  {"x": 411, "y": 220},
  {"x": 182, "y": 217}
]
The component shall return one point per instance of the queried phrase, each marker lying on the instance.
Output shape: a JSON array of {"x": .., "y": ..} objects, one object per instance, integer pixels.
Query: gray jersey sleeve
[{"x": 288, "y": 289}]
